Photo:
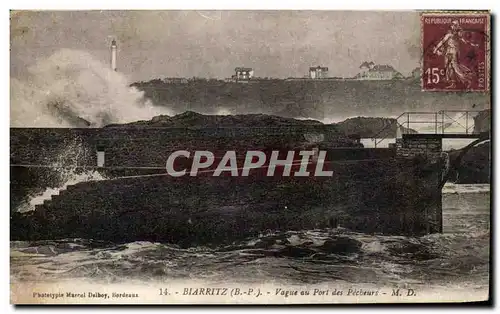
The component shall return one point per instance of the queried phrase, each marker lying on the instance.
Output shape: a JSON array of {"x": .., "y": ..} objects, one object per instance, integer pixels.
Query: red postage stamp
[{"x": 455, "y": 48}]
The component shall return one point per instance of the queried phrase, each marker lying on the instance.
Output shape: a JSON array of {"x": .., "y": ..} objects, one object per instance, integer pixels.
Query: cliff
[
  {"x": 318, "y": 99},
  {"x": 476, "y": 163},
  {"x": 475, "y": 166}
]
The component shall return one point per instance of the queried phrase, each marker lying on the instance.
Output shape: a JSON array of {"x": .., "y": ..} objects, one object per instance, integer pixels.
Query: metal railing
[{"x": 431, "y": 122}]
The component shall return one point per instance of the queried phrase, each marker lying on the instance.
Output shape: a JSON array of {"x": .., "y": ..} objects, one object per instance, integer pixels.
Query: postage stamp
[{"x": 455, "y": 47}]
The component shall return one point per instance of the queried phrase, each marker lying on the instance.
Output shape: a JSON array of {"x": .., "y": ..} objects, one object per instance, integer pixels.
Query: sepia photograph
[{"x": 250, "y": 156}]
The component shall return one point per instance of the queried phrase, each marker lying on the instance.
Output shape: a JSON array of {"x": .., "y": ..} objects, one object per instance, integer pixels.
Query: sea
[{"x": 459, "y": 257}]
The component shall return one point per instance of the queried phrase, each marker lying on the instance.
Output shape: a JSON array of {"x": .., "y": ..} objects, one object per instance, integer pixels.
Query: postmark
[{"x": 455, "y": 51}]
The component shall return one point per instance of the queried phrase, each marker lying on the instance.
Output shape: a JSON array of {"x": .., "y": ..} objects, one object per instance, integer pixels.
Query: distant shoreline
[{"x": 181, "y": 79}]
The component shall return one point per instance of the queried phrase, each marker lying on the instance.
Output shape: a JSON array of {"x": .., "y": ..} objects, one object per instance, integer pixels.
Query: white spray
[
  {"x": 71, "y": 179},
  {"x": 71, "y": 85},
  {"x": 71, "y": 89},
  {"x": 67, "y": 174}
]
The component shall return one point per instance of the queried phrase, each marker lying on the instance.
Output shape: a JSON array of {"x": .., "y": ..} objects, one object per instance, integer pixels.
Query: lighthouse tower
[{"x": 113, "y": 55}]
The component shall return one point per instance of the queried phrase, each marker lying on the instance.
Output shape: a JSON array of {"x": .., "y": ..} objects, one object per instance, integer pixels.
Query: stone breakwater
[
  {"x": 370, "y": 190},
  {"x": 39, "y": 155},
  {"x": 378, "y": 196}
]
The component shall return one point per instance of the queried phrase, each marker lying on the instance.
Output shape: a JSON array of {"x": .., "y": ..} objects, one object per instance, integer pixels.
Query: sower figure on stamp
[{"x": 450, "y": 46}]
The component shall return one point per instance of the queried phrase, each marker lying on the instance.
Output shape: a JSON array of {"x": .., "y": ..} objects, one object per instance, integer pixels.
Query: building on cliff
[
  {"x": 366, "y": 66},
  {"x": 242, "y": 73},
  {"x": 372, "y": 71},
  {"x": 318, "y": 72}
]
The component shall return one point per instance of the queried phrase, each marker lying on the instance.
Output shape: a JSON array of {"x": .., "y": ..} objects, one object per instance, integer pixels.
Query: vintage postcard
[{"x": 249, "y": 157}]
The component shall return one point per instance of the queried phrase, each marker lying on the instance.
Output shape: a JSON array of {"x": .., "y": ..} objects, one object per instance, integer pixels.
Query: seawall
[
  {"x": 38, "y": 155},
  {"x": 386, "y": 196},
  {"x": 371, "y": 190},
  {"x": 150, "y": 146}
]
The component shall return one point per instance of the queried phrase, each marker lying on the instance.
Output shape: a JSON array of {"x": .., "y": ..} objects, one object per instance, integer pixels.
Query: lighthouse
[{"x": 113, "y": 55}]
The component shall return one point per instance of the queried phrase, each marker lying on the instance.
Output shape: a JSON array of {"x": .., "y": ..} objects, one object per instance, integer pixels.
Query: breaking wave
[
  {"x": 70, "y": 178},
  {"x": 307, "y": 256},
  {"x": 66, "y": 173},
  {"x": 73, "y": 89}
]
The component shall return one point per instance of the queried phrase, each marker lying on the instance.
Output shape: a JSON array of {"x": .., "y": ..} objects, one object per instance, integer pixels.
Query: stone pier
[{"x": 412, "y": 145}]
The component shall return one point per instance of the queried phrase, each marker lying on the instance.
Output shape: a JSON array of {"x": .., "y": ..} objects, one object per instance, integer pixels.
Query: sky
[{"x": 158, "y": 44}]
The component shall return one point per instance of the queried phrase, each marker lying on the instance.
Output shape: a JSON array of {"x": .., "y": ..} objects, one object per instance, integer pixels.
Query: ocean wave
[
  {"x": 73, "y": 89},
  {"x": 308, "y": 255},
  {"x": 65, "y": 173}
]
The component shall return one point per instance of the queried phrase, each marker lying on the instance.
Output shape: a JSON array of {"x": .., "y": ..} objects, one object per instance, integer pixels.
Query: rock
[
  {"x": 365, "y": 127},
  {"x": 294, "y": 251},
  {"x": 341, "y": 245},
  {"x": 368, "y": 127},
  {"x": 197, "y": 120},
  {"x": 482, "y": 122},
  {"x": 475, "y": 166}
]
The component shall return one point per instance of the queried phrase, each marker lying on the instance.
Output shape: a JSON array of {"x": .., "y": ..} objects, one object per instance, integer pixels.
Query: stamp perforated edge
[{"x": 487, "y": 47}]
